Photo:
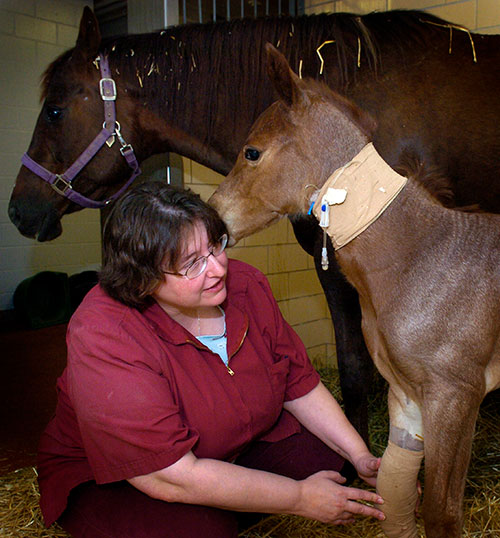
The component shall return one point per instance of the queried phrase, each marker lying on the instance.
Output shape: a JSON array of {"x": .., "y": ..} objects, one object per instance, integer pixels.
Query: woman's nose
[{"x": 216, "y": 265}]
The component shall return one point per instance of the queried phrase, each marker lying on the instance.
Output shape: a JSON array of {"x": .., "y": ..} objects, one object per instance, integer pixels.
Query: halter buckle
[
  {"x": 107, "y": 87},
  {"x": 61, "y": 190}
]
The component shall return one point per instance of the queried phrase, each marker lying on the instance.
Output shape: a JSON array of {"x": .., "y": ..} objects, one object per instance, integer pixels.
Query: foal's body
[
  {"x": 428, "y": 279},
  {"x": 429, "y": 285}
]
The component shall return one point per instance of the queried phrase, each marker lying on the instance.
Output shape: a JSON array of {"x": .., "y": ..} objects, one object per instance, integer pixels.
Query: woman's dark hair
[{"x": 144, "y": 235}]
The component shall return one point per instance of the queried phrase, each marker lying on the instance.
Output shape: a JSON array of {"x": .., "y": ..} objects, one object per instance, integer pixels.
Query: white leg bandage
[{"x": 397, "y": 485}]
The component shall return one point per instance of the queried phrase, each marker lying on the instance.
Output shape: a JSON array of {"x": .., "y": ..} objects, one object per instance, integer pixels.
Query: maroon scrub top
[{"x": 140, "y": 391}]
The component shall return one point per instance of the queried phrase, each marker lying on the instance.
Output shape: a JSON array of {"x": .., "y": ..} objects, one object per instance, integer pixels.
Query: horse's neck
[
  {"x": 199, "y": 91},
  {"x": 356, "y": 194},
  {"x": 199, "y": 88}
]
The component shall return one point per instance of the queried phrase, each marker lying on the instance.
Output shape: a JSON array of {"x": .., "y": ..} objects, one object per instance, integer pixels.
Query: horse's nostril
[{"x": 14, "y": 214}]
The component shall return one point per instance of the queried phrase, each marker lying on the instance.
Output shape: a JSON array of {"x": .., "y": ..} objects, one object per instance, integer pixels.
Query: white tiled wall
[{"x": 32, "y": 34}]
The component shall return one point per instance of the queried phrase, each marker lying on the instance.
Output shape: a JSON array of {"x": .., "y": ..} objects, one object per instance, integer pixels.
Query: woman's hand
[
  {"x": 367, "y": 467},
  {"x": 323, "y": 497}
]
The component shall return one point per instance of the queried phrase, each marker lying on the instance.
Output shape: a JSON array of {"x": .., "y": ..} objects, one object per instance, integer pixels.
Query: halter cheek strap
[{"x": 61, "y": 183}]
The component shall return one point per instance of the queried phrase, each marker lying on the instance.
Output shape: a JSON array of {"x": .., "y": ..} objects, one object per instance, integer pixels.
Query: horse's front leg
[
  {"x": 449, "y": 416},
  {"x": 397, "y": 476}
]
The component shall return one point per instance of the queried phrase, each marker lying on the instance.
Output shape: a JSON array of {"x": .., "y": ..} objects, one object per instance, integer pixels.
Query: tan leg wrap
[{"x": 397, "y": 485}]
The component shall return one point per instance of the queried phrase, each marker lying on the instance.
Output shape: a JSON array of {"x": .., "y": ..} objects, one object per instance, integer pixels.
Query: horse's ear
[
  {"x": 285, "y": 81},
  {"x": 89, "y": 36}
]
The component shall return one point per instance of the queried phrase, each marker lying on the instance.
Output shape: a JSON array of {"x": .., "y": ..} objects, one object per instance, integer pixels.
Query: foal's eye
[
  {"x": 252, "y": 154},
  {"x": 53, "y": 113}
]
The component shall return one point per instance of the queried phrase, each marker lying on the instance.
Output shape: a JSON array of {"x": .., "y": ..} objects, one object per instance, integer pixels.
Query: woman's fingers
[
  {"x": 326, "y": 499},
  {"x": 353, "y": 505},
  {"x": 358, "y": 508},
  {"x": 332, "y": 475},
  {"x": 356, "y": 494},
  {"x": 346, "y": 521}
]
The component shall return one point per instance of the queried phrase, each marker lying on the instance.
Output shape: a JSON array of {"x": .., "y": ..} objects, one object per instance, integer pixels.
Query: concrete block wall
[{"x": 32, "y": 34}]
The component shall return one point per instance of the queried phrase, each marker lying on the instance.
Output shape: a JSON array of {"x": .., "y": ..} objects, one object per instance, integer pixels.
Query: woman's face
[{"x": 178, "y": 294}]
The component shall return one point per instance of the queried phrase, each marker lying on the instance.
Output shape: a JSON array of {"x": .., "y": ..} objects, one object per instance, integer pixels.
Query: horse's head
[
  {"x": 292, "y": 149},
  {"x": 71, "y": 117}
]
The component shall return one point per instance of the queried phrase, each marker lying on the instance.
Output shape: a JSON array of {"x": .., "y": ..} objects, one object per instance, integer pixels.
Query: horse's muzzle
[{"x": 43, "y": 224}]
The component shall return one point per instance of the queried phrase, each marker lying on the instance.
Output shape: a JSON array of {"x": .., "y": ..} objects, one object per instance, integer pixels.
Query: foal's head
[{"x": 291, "y": 150}]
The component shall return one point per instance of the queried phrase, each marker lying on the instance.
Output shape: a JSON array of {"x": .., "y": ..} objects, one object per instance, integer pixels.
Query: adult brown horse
[
  {"x": 428, "y": 279},
  {"x": 196, "y": 90}
]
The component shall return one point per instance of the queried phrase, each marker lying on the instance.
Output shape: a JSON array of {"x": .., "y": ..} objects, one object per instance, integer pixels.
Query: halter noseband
[{"x": 61, "y": 183}]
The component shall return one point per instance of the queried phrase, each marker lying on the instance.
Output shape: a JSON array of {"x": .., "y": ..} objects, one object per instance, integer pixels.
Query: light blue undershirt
[{"x": 217, "y": 343}]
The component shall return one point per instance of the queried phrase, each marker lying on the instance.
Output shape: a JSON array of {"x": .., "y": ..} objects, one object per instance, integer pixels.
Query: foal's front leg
[
  {"x": 449, "y": 417},
  {"x": 397, "y": 476},
  {"x": 354, "y": 362}
]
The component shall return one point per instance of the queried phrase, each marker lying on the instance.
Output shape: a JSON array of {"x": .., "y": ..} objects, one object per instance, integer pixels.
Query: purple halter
[{"x": 61, "y": 183}]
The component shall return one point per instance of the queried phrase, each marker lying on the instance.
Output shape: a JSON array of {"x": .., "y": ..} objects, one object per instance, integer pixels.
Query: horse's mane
[
  {"x": 152, "y": 60},
  {"x": 402, "y": 29},
  {"x": 431, "y": 181}
]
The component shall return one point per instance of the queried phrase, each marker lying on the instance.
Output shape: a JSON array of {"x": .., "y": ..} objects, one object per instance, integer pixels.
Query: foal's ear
[
  {"x": 285, "y": 81},
  {"x": 89, "y": 36}
]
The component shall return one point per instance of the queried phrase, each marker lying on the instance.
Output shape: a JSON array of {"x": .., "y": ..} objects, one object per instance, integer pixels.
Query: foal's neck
[{"x": 406, "y": 229}]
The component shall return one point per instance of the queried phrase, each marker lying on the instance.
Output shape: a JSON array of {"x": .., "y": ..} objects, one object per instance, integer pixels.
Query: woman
[{"x": 187, "y": 399}]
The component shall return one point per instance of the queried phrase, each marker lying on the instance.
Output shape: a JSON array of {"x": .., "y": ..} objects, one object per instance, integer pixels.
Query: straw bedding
[{"x": 20, "y": 516}]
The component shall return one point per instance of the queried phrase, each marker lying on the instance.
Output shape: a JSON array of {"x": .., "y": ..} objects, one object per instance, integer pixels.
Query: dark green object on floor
[{"x": 50, "y": 298}]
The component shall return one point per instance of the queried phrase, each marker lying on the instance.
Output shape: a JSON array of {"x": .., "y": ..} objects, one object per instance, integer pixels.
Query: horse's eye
[
  {"x": 53, "y": 113},
  {"x": 252, "y": 154}
]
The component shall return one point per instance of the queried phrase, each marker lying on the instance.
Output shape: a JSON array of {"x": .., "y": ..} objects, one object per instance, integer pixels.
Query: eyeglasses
[{"x": 196, "y": 267}]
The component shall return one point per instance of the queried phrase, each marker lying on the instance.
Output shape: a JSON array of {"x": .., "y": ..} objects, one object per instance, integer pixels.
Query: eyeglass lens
[{"x": 199, "y": 265}]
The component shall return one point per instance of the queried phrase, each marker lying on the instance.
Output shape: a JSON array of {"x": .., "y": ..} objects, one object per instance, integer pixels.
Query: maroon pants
[{"x": 118, "y": 510}]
